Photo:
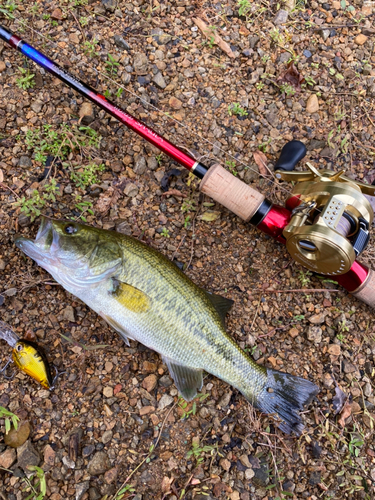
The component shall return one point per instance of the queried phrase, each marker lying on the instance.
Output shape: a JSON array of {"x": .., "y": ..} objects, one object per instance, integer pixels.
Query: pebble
[
  {"x": 107, "y": 436},
  {"x": 348, "y": 367},
  {"x": 86, "y": 113},
  {"x": 149, "y": 383},
  {"x": 312, "y": 104},
  {"x": 293, "y": 332},
  {"x": 2, "y": 66},
  {"x": 158, "y": 79},
  {"x": 325, "y": 34},
  {"x": 281, "y": 17},
  {"x": 7, "y": 458},
  {"x": 131, "y": 190},
  {"x": 110, "y": 5},
  {"x": 140, "y": 63},
  {"x": 57, "y": 14},
  {"x": 49, "y": 456},
  {"x": 307, "y": 53},
  {"x": 99, "y": 464},
  {"x": 68, "y": 314},
  {"x": 314, "y": 334},
  {"x": 88, "y": 450},
  {"x": 17, "y": 437},
  {"x": 165, "y": 400},
  {"x": 121, "y": 43},
  {"x": 111, "y": 475},
  {"x": 81, "y": 489},
  {"x": 225, "y": 398},
  {"x": 334, "y": 349},
  {"x": 27, "y": 455},
  {"x": 25, "y": 161},
  {"x": 175, "y": 103},
  {"x": 360, "y": 39},
  {"x": 108, "y": 392}
]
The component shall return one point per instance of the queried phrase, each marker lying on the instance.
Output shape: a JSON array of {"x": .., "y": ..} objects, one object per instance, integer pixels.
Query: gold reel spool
[{"x": 332, "y": 208}]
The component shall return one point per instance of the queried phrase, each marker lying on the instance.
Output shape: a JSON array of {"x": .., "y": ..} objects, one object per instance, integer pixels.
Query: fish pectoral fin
[
  {"x": 124, "y": 334},
  {"x": 187, "y": 380},
  {"x": 130, "y": 297},
  {"x": 221, "y": 304}
]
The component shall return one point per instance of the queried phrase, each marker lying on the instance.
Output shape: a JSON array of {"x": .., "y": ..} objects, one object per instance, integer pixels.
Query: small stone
[
  {"x": 360, "y": 39},
  {"x": 110, "y": 5},
  {"x": 165, "y": 400},
  {"x": 68, "y": 462},
  {"x": 111, "y": 475},
  {"x": 355, "y": 408},
  {"x": 107, "y": 436},
  {"x": 7, "y": 458},
  {"x": 314, "y": 334},
  {"x": 99, "y": 464},
  {"x": 108, "y": 366},
  {"x": 121, "y": 43},
  {"x": 175, "y": 103},
  {"x": 325, "y": 34},
  {"x": 140, "y": 63},
  {"x": 68, "y": 314},
  {"x": 86, "y": 113},
  {"x": 108, "y": 392},
  {"x": 334, "y": 349},
  {"x": 159, "y": 80},
  {"x": 244, "y": 459},
  {"x": 25, "y": 161},
  {"x": 316, "y": 450},
  {"x": 281, "y": 17},
  {"x": 307, "y": 53},
  {"x": 81, "y": 489},
  {"x": 49, "y": 455},
  {"x": 88, "y": 450},
  {"x": 140, "y": 165},
  {"x": 17, "y": 437},
  {"x": 312, "y": 104},
  {"x": 293, "y": 332},
  {"x": 27, "y": 455},
  {"x": 224, "y": 400},
  {"x": 145, "y": 410},
  {"x": 94, "y": 493},
  {"x": 348, "y": 367},
  {"x": 328, "y": 380},
  {"x": 2, "y": 66},
  {"x": 225, "y": 464},
  {"x": 131, "y": 190},
  {"x": 249, "y": 474},
  {"x": 317, "y": 319},
  {"x": 149, "y": 383},
  {"x": 315, "y": 478},
  {"x": 57, "y": 14}
]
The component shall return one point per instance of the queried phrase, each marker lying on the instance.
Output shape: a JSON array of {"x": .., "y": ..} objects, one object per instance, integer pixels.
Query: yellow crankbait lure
[{"x": 31, "y": 359}]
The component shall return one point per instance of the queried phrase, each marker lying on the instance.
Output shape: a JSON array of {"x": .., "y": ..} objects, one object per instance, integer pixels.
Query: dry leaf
[
  {"x": 292, "y": 76},
  {"x": 209, "y": 216},
  {"x": 261, "y": 160},
  {"x": 175, "y": 192},
  {"x": 166, "y": 485},
  {"x": 214, "y": 37},
  {"x": 346, "y": 412}
]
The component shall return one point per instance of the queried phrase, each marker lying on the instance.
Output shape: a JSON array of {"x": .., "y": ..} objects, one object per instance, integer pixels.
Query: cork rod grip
[
  {"x": 231, "y": 192},
  {"x": 366, "y": 292}
]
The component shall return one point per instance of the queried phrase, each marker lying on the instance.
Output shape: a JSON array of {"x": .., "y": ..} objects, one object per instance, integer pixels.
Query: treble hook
[{"x": 4, "y": 368}]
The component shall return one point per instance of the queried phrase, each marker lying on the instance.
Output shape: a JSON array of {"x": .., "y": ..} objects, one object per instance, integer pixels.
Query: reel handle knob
[{"x": 290, "y": 155}]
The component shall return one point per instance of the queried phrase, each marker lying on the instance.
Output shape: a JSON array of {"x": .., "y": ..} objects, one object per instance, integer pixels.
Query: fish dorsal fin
[
  {"x": 221, "y": 304},
  {"x": 187, "y": 380},
  {"x": 116, "y": 326},
  {"x": 130, "y": 297}
]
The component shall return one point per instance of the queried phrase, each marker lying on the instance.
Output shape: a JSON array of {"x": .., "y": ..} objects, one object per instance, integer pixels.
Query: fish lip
[
  {"x": 38, "y": 248},
  {"x": 43, "y": 232}
]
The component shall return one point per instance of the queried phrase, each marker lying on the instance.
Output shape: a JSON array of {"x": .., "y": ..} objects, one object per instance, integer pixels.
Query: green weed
[
  {"x": 287, "y": 89},
  {"x": 128, "y": 488},
  {"x": 85, "y": 176},
  {"x": 89, "y": 47},
  {"x": 244, "y": 7},
  {"x": 83, "y": 207},
  {"x": 304, "y": 277},
  {"x": 41, "y": 483},
  {"x": 198, "y": 451},
  {"x": 10, "y": 418},
  {"x": 236, "y": 109},
  {"x": 232, "y": 167},
  {"x": 183, "y": 405},
  {"x": 111, "y": 65},
  {"x": 27, "y": 80},
  {"x": 33, "y": 206}
]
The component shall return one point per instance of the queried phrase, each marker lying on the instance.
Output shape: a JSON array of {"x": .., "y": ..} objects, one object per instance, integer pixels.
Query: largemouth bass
[{"x": 145, "y": 297}]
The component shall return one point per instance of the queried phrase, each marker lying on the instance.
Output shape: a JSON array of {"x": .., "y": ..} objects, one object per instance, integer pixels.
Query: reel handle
[{"x": 290, "y": 155}]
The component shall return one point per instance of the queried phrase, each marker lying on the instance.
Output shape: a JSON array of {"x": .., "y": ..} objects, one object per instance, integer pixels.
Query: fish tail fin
[{"x": 284, "y": 396}]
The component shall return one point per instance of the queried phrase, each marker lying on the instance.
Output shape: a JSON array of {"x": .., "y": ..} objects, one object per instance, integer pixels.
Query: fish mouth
[{"x": 39, "y": 248}]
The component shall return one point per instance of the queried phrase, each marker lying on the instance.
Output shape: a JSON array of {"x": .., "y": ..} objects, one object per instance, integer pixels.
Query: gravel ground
[{"x": 249, "y": 81}]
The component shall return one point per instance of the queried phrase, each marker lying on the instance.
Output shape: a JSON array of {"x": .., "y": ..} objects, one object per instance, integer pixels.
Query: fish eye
[
  {"x": 70, "y": 229},
  {"x": 19, "y": 348}
]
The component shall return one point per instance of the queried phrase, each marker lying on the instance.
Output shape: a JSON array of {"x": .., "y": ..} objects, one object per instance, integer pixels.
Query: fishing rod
[{"x": 325, "y": 224}]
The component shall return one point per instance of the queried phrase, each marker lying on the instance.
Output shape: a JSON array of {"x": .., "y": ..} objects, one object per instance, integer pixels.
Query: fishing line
[{"x": 155, "y": 108}]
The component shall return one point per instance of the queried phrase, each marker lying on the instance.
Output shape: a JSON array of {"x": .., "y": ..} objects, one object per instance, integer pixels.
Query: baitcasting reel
[{"x": 330, "y": 220}]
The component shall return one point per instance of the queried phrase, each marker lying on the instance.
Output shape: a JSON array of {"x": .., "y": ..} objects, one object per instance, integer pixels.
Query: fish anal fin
[
  {"x": 187, "y": 380},
  {"x": 130, "y": 297},
  {"x": 116, "y": 326},
  {"x": 221, "y": 304}
]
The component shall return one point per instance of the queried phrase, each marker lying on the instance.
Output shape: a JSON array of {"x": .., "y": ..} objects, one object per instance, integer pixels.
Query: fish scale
[{"x": 145, "y": 297}]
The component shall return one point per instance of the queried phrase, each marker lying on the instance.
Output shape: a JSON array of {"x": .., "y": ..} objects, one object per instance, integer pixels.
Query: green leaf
[{"x": 209, "y": 216}]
